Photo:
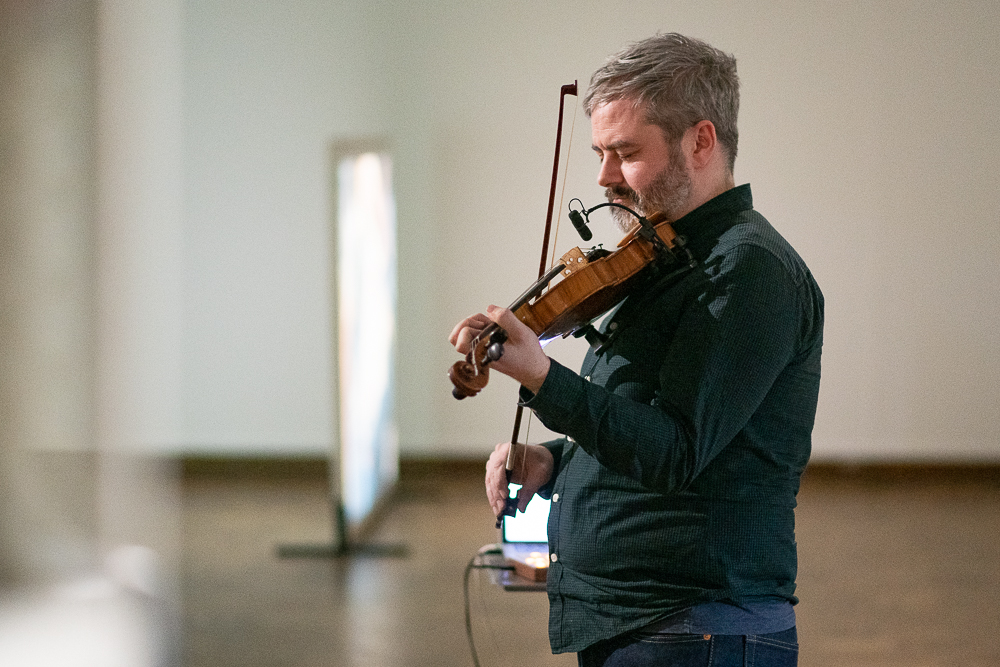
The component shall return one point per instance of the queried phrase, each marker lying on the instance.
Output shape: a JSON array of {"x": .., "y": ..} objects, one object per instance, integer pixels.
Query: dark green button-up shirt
[{"x": 686, "y": 435}]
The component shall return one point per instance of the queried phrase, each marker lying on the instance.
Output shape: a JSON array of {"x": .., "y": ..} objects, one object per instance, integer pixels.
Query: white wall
[
  {"x": 140, "y": 242},
  {"x": 865, "y": 130},
  {"x": 269, "y": 86}
]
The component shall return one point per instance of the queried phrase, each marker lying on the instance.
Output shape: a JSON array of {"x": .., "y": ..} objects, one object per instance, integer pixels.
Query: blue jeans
[{"x": 639, "y": 649}]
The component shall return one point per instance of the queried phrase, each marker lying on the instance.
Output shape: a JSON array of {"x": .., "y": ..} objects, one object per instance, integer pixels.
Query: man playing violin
[{"x": 671, "y": 529}]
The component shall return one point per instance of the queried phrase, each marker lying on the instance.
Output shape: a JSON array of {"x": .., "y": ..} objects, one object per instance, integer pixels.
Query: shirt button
[
  {"x": 553, "y": 558},
  {"x": 587, "y": 378},
  {"x": 555, "y": 497},
  {"x": 613, "y": 326}
]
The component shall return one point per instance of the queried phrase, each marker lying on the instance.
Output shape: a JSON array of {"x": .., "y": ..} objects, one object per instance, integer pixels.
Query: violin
[{"x": 591, "y": 284}]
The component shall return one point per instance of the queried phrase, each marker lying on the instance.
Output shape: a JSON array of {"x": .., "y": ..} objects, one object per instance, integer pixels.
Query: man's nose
[{"x": 610, "y": 173}]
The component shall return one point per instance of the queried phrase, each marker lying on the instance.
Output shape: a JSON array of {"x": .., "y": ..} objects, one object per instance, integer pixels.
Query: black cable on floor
[{"x": 475, "y": 565}]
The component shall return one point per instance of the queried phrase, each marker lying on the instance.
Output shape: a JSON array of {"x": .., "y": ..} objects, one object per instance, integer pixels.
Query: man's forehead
[{"x": 618, "y": 124}]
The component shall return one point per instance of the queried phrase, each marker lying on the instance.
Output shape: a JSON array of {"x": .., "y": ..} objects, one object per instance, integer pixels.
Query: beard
[{"x": 668, "y": 194}]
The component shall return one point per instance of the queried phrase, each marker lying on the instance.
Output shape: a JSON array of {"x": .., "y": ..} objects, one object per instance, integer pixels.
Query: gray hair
[{"x": 680, "y": 81}]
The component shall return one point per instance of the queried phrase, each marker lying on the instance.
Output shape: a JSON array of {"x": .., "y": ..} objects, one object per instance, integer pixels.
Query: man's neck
[{"x": 707, "y": 190}]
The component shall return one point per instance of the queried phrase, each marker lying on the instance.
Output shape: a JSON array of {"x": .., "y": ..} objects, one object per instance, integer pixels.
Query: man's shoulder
[{"x": 755, "y": 240}]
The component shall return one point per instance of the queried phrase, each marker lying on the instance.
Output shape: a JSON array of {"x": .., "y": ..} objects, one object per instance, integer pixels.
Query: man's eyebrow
[{"x": 615, "y": 145}]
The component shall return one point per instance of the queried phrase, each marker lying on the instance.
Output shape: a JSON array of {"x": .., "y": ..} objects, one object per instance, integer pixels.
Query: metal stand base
[{"x": 342, "y": 547}]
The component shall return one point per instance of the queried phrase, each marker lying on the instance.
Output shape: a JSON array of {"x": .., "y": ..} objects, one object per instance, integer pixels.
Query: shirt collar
[{"x": 706, "y": 224}]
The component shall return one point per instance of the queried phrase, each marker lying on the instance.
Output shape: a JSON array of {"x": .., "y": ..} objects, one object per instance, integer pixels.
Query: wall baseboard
[
  {"x": 416, "y": 469},
  {"x": 252, "y": 468},
  {"x": 903, "y": 473},
  {"x": 315, "y": 467}
]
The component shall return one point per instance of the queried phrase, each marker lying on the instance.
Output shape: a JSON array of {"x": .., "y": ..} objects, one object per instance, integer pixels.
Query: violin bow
[{"x": 510, "y": 507}]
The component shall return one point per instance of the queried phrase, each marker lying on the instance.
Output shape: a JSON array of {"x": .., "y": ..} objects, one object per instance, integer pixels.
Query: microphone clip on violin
[{"x": 645, "y": 229}]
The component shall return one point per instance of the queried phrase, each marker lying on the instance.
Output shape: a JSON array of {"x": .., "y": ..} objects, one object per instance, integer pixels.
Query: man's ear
[{"x": 702, "y": 142}]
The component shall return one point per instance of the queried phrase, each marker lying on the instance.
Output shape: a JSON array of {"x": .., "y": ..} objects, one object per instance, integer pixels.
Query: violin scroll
[
  {"x": 470, "y": 375},
  {"x": 466, "y": 379}
]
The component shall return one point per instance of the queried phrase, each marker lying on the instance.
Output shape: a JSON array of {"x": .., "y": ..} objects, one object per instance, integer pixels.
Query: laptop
[{"x": 525, "y": 545}]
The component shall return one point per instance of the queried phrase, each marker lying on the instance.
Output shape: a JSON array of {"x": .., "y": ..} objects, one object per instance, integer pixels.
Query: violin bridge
[{"x": 574, "y": 261}]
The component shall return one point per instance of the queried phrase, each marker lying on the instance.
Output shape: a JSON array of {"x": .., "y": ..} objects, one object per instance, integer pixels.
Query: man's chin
[{"x": 623, "y": 220}]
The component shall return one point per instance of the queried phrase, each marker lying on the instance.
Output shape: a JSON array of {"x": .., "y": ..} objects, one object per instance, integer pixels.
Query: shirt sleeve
[{"x": 738, "y": 329}]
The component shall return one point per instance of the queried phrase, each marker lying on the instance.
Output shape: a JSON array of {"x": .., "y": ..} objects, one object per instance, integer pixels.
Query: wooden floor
[{"x": 895, "y": 571}]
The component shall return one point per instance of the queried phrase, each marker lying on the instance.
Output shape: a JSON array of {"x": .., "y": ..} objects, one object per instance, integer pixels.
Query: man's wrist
[{"x": 537, "y": 379}]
